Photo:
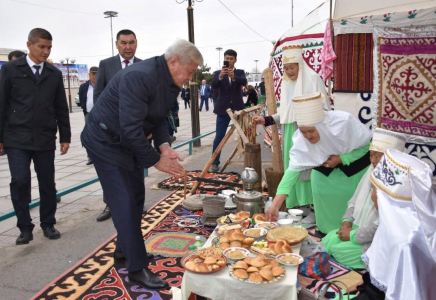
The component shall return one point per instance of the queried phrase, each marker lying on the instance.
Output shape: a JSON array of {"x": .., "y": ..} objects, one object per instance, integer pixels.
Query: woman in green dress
[
  {"x": 360, "y": 221},
  {"x": 298, "y": 79},
  {"x": 335, "y": 146}
]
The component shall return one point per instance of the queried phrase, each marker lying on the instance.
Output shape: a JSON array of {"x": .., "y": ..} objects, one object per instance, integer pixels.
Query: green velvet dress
[{"x": 330, "y": 193}]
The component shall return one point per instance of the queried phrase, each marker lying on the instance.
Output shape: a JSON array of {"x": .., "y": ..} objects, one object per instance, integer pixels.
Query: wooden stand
[{"x": 236, "y": 118}]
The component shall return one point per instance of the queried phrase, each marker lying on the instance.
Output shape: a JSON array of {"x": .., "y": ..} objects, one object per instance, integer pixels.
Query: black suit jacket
[
  {"x": 230, "y": 94},
  {"x": 135, "y": 103},
  {"x": 32, "y": 111},
  {"x": 83, "y": 95},
  {"x": 106, "y": 70}
]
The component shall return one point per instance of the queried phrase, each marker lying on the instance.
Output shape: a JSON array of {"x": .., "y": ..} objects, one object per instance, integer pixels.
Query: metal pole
[
  {"x": 219, "y": 57},
  {"x": 112, "y": 38},
  {"x": 69, "y": 89},
  {"x": 292, "y": 13}
]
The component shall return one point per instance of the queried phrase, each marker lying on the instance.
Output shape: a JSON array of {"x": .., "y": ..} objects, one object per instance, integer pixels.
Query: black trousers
[
  {"x": 19, "y": 166},
  {"x": 125, "y": 196}
]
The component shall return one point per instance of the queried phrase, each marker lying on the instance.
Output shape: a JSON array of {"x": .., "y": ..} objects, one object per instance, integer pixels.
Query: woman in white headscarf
[
  {"x": 402, "y": 256},
  {"x": 335, "y": 145},
  {"x": 298, "y": 79},
  {"x": 360, "y": 221}
]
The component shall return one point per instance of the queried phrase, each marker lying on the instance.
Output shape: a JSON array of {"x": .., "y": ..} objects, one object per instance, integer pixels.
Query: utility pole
[
  {"x": 111, "y": 14},
  {"x": 193, "y": 86}
]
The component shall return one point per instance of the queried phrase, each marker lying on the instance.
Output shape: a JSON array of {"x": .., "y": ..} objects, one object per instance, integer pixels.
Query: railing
[{"x": 83, "y": 184}]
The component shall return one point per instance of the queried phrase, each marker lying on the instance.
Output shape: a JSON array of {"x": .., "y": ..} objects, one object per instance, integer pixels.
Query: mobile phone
[{"x": 226, "y": 63}]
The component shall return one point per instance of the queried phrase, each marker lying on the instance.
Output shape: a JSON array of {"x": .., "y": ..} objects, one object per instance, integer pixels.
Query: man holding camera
[{"x": 229, "y": 81}]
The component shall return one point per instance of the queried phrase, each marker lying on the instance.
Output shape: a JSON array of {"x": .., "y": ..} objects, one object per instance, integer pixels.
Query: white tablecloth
[{"x": 221, "y": 286}]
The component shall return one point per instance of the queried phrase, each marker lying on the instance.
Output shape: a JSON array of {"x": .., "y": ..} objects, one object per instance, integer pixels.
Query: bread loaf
[
  {"x": 242, "y": 215},
  {"x": 282, "y": 246}
]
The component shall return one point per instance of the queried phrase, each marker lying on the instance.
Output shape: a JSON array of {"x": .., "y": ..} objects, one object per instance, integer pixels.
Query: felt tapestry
[
  {"x": 353, "y": 67},
  {"x": 407, "y": 77}
]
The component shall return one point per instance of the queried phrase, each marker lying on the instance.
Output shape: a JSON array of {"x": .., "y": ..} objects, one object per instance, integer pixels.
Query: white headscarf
[
  {"x": 340, "y": 133},
  {"x": 307, "y": 82},
  {"x": 365, "y": 214},
  {"x": 402, "y": 256}
]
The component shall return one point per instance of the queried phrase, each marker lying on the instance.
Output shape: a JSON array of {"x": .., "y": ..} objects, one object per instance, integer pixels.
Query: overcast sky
[{"x": 80, "y": 30}]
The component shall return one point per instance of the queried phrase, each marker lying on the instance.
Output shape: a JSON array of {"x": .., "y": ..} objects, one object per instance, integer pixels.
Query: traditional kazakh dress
[
  {"x": 362, "y": 213},
  {"x": 340, "y": 134},
  {"x": 307, "y": 82}
]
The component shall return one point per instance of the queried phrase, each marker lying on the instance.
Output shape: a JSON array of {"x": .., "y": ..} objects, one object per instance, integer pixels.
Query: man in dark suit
[
  {"x": 204, "y": 94},
  {"x": 134, "y": 105},
  {"x": 86, "y": 97},
  {"x": 229, "y": 82},
  {"x": 126, "y": 44},
  {"x": 33, "y": 106}
]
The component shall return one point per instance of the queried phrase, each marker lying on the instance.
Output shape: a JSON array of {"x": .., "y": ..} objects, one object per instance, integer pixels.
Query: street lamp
[
  {"x": 68, "y": 64},
  {"x": 256, "y": 60},
  {"x": 219, "y": 56},
  {"x": 111, "y": 14}
]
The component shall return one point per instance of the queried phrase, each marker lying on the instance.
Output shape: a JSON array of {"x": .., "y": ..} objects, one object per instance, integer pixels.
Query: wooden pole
[
  {"x": 212, "y": 158},
  {"x": 237, "y": 127},
  {"x": 229, "y": 159},
  {"x": 184, "y": 185},
  {"x": 271, "y": 105}
]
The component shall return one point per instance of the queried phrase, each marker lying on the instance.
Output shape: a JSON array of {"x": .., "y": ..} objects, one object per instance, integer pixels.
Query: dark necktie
[
  {"x": 37, "y": 71},
  {"x": 127, "y": 63}
]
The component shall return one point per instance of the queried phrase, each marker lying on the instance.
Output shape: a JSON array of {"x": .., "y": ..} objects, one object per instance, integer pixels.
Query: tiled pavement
[{"x": 71, "y": 170}]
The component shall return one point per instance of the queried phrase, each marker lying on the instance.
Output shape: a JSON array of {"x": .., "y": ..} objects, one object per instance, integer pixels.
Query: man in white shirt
[{"x": 86, "y": 96}]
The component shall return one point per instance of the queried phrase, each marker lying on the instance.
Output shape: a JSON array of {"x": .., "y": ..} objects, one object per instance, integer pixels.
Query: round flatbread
[{"x": 291, "y": 234}]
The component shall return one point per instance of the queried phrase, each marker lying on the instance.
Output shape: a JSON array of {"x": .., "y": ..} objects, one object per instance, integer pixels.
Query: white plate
[
  {"x": 263, "y": 232},
  {"x": 244, "y": 251},
  {"x": 281, "y": 256},
  {"x": 273, "y": 224}
]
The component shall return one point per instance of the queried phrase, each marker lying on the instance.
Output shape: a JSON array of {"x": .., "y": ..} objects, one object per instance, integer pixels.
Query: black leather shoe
[
  {"x": 58, "y": 199},
  {"x": 24, "y": 238},
  {"x": 52, "y": 233},
  {"x": 119, "y": 256},
  {"x": 104, "y": 215},
  {"x": 148, "y": 280},
  {"x": 89, "y": 162}
]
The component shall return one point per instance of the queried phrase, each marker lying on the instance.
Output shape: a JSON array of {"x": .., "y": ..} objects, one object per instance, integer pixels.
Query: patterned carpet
[
  {"x": 177, "y": 182},
  {"x": 168, "y": 229}
]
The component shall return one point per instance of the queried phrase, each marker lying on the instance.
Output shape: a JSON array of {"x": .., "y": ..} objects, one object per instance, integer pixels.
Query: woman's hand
[
  {"x": 332, "y": 161},
  {"x": 344, "y": 233},
  {"x": 258, "y": 120},
  {"x": 272, "y": 214}
]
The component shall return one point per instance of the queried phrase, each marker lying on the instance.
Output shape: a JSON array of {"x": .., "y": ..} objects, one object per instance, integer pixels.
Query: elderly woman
[
  {"x": 402, "y": 256},
  {"x": 360, "y": 221},
  {"x": 298, "y": 79},
  {"x": 335, "y": 145}
]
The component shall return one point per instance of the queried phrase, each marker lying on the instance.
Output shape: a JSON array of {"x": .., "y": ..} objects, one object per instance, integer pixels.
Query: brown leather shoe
[{"x": 104, "y": 215}]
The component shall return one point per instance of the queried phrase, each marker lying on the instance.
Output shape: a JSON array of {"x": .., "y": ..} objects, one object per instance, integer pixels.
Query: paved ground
[{"x": 24, "y": 270}]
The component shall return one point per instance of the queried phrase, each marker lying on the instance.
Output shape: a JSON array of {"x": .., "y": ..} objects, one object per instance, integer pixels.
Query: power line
[
  {"x": 244, "y": 22},
  {"x": 55, "y": 8}
]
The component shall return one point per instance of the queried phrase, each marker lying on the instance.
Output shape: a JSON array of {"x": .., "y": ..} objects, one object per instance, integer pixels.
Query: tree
[{"x": 203, "y": 72}]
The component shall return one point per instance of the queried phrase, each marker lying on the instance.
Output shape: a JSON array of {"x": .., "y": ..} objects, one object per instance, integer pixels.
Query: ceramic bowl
[
  {"x": 285, "y": 222},
  {"x": 282, "y": 258},
  {"x": 244, "y": 251}
]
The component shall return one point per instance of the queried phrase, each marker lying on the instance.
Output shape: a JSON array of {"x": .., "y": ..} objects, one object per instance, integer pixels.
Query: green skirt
[
  {"x": 346, "y": 253},
  {"x": 331, "y": 195},
  {"x": 301, "y": 192}
]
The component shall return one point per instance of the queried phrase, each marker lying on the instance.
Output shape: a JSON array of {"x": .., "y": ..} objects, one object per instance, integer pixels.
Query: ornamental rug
[
  {"x": 351, "y": 278},
  {"x": 407, "y": 91},
  {"x": 353, "y": 69},
  {"x": 177, "y": 182},
  {"x": 97, "y": 277}
]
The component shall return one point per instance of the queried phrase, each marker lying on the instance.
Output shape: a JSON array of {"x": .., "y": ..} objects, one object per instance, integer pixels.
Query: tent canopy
[{"x": 345, "y": 9}]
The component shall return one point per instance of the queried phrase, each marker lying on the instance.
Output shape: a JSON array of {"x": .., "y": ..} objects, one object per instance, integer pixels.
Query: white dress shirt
[
  {"x": 31, "y": 64},
  {"x": 123, "y": 64},
  {"x": 90, "y": 98}
]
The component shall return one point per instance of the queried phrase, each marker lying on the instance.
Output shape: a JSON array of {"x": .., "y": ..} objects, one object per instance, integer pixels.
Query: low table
[{"x": 221, "y": 286}]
